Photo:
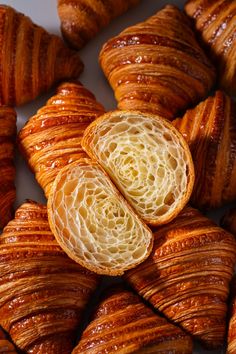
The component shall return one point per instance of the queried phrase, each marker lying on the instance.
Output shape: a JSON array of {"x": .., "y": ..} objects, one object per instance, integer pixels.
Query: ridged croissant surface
[
  {"x": 52, "y": 138},
  {"x": 122, "y": 324},
  {"x": 216, "y": 23},
  {"x": 81, "y": 20},
  {"x": 187, "y": 275},
  {"x": 93, "y": 223},
  {"x": 42, "y": 291},
  {"x": 210, "y": 130},
  {"x": 147, "y": 159},
  {"x": 6, "y": 347},
  {"x": 31, "y": 59},
  {"x": 157, "y": 66},
  {"x": 231, "y": 348},
  {"x": 7, "y": 168}
]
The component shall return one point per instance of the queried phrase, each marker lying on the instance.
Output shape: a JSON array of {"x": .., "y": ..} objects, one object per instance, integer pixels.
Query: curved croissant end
[
  {"x": 93, "y": 223},
  {"x": 82, "y": 20},
  {"x": 38, "y": 59},
  {"x": 123, "y": 324},
  {"x": 42, "y": 291},
  {"x": 51, "y": 139},
  {"x": 157, "y": 66},
  {"x": 216, "y": 23},
  {"x": 187, "y": 275},
  {"x": 147, "y": 159},
  {"x": 6, "y": 347},
  {"x": 7, "y": 168},
  {"x": 210, "y": 131}
]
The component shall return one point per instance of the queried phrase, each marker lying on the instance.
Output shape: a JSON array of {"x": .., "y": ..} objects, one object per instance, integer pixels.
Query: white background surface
[{"x": 44, "y": 13}]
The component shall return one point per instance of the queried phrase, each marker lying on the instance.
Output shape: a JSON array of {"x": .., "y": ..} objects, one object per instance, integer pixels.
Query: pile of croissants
[{"x": 127, "y": 190}]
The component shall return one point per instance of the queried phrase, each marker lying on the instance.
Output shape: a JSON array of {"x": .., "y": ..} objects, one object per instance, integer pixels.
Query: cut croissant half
[
  {"x": 6, "y": 347},
  {"x": 147, "y": 159},
  {"x": 122, "y": 324},
  {"x": 93, "y": 223},
  {"x": 31, "y": 59},
  {"x": 81, "y": 20},
  {"x": 7, "y": 168},
  {"x": 187, "y": 275},
  {"x": 216, "y": 23},
  {"x": 231, "y": 348},
  {"x": 42, "y": 291},
  {"x": 157, "y": 66},
  {"x": 52, "y": 138},
  {"x": 210, "y": 130}
]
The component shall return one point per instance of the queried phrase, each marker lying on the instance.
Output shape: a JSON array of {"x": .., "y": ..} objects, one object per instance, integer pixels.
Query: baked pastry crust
[
  {"x": 210, "y": 131},
  {"x": 157, "y": 66},
  {"x": 216, "y": 23},
  {"x": 93, "y": 223},
  {"x": 7, "y": 167},
  {"x": 82, "y": 20},
  {"x": 231, "y": 347},
  {"x": 228, "y": 221},
  {"x": 52, "y": 138},
  {"x": 6, "y": 347},
  {"x": 31, "y": 59},
  {"x": 42, "y": 291},
  {"x": 187, "y": 275},
  {"x": 146, "y": 158},
  {"x": 122, "y": 324}
]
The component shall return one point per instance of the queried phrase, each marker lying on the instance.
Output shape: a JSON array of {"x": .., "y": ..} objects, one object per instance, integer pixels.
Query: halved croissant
[
  {"x": 82, "y": 20},
  {"x": 42, "y": 291},
  {"x": 231, "y": 348},
  {"x": 123, "y": 324},
  {"x": 228, "y": 221},
  {"x": 210, "y": 130},
  {"x": 6, "y": 347},
  {"x": 31, "y": 59},
  {"x": 157, "y": 66},
  {"x": 52, "y": 138},
  {"x": 216, "y": 23},
  {"x": 187, "y": 275},
  {"x": 93, "y": 223},
  {"x": 146, "y": 158},
  {"x": 7, "y": 168}
]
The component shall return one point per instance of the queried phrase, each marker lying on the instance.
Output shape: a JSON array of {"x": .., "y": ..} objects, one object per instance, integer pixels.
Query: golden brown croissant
[
  {"x": 228, "y": 221},
  {"x": 81, "y": 20},
  {"x": 187, "y": 275},
  {"x": 6, "y": 347},
  {"x": 216, "y": 23},
  {"x": 157, "y": 65},
  {"x": 52, "y": 138},
  {"x": 42, "y": 291},
  {"x": 210, "y": 131},
  {"x": 123, "y": 324},
  {"x": 231, "y": 348},
  {"x": 31, "y": 60},
  {"x": 7, "y": 168}
]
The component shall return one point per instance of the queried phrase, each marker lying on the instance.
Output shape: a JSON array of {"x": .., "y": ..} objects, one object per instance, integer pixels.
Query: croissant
[
  {"x": 216, "y": 23},
  {"x": 187, "y": 275},
  {"x": 146, "y": 158},
  {"x": 93, "y": 223},
  {"x": 42, "y": 291},
  {"x": 82, "y": 20},
  {"x": 228, "y": 221},
  {"x": 231, "y": 348},
  {"x": 123, "y": 324},
  {"x": 7, "y": 168},
  {"x": 157, "y": 65},
  {"x": 6, "y": 347},
  {"x": 210, "y": 131},
  {"x": 52, "y": 138},
  {"x": 31, "y": 60}
]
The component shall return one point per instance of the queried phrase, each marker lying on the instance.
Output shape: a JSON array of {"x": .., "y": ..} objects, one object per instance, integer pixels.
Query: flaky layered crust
[
  {"x": 7, "y": 168},
  {"x": 42, "y": 291},
  {"x": 231, "y": 347},
  {"x": 187, "y": 275},
  {"x": 210, "y": 130},
  {"x": 146, "y": 158},
  {"x": 6, "y": 347},
  {"x": 31, "y": 59},
  {"x": 51, "y": 139},
  {"x": 82, "y": 20},
  {"x": 122, "y": 324},
  {"x": 93, "y": 223},
  {"x": 157, "y": 66},
  {"x": 216, "y": 23}
]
